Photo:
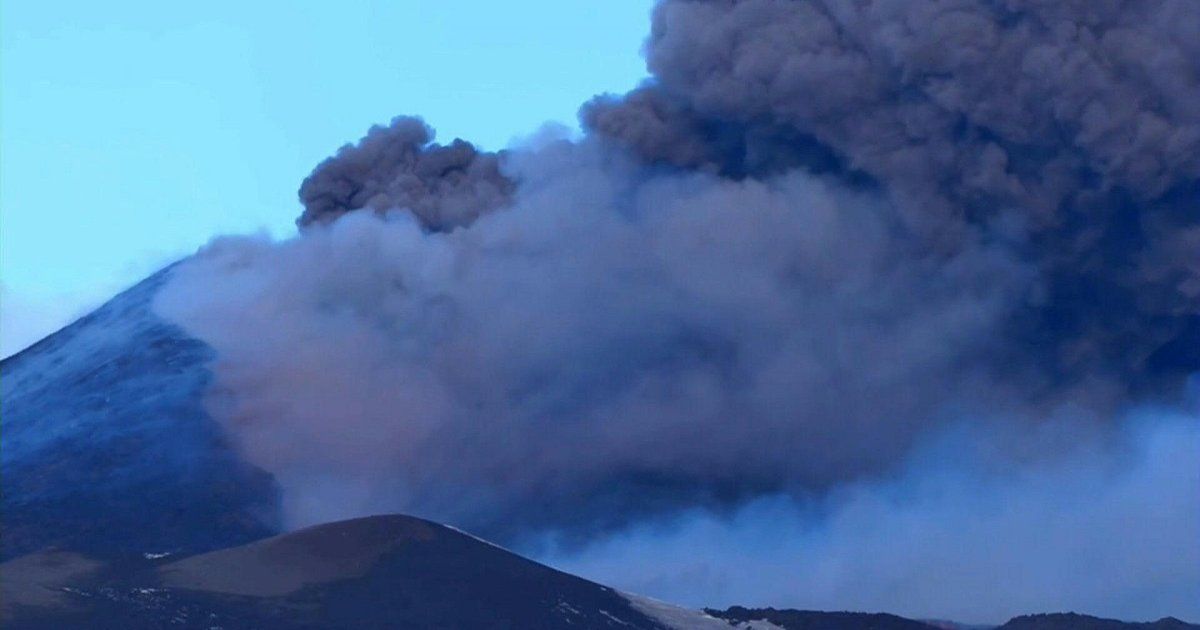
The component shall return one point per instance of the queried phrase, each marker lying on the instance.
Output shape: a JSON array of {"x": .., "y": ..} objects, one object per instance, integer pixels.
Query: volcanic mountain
[
  {"x": 387, "y": 571},
  {"x": 107, "y": 446},
  {"x": 124, "y": 506},
  {"x": 374, "y": 572}
]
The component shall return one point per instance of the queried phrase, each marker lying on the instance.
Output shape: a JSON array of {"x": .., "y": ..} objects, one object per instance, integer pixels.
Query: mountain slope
[
  {"x": 388, "y": 571},
  {"x": 374, "y": 572},
  {"x": 106, "y": 445}
]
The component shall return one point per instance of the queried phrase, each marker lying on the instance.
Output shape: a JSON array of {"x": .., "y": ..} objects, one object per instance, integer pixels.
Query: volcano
[
  {"x": 107, "y": 446},
  {"x": 375, "y": 572},
  {"x": 124, "y": 506}
]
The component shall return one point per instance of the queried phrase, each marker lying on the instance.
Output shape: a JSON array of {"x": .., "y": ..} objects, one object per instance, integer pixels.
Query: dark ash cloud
[
  {"x": 399, "y": 167},
  {"x": 1070, "y": 130}
]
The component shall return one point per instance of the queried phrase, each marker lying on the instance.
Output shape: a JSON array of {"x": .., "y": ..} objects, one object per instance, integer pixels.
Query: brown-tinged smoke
[
  {"x": 822, "y": 234},
  {"x": 399, "y": 167}
]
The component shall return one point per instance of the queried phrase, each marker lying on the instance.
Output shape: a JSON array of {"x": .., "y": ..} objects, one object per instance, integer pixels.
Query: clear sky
[{"x": 133, "y": 131}]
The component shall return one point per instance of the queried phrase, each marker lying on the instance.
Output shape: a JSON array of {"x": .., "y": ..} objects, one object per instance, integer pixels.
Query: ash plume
[
  {"x": 399, "y": 167},
  {"x": 1071, "y": 130},
  {"x": 821, "y": 234}
]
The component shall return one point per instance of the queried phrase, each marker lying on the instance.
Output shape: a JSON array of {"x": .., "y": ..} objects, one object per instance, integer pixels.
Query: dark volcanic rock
[
  {"x": 1073, "y": 621},
  {"x": 816, "y": 620},
  {"x": 375, "y": 572},
  {"x": 107, "y": 446}
]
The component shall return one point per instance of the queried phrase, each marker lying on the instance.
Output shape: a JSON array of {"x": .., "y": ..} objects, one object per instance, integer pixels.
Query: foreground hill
[
  {"x": 375, "y": 572},
  {"x": 381, "y": 572}
]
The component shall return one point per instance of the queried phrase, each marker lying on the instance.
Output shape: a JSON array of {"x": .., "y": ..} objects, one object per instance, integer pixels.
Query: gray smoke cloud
[
  {"x": 609, "y": 345},
  {"x": 822, "y": 234},
  {"x": 1069, "y": 129}
]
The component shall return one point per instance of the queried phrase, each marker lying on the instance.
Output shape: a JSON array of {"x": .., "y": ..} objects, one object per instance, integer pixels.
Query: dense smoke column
[
  {"x": 399, "y": 167},
  {"x": 1066, "y": 131},
  {"x": 821, "y": 235}
]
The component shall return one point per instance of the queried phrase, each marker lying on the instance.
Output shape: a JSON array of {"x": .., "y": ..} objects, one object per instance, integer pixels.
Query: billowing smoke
[
  {"x": 1069, "y": 130},
  {"x": 823, "y": 234},
  {"x": 399, "y": 166}
]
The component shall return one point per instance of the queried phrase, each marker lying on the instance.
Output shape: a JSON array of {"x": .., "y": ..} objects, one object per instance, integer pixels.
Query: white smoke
[{"x": 1109, "y": 529}]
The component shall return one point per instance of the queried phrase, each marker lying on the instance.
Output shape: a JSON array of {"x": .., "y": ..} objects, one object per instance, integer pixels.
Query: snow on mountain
[
  {"x": 107, "y": 445},
  {"x": 677, "y": 618}
]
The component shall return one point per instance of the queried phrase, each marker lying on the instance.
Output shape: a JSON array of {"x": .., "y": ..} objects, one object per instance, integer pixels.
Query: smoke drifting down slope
[{"x": 822, "y": 234}]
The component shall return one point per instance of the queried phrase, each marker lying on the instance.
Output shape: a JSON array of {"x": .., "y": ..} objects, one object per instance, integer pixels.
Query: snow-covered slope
[
  {"x": 106, "y": 444},
  {"x": 677, "y": 618}
]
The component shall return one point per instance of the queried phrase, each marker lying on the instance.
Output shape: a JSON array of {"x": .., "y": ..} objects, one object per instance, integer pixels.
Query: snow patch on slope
[{"x": 677, "y": 618}]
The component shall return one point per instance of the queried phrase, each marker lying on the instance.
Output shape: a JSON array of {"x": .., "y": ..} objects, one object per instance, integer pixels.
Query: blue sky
[{"x": 132, "y": 132}]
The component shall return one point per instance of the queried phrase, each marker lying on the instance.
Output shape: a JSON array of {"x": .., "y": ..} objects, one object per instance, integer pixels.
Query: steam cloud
[
  {"x": 1099, "y": 532},
  {"x": 823, "y": 234}
]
